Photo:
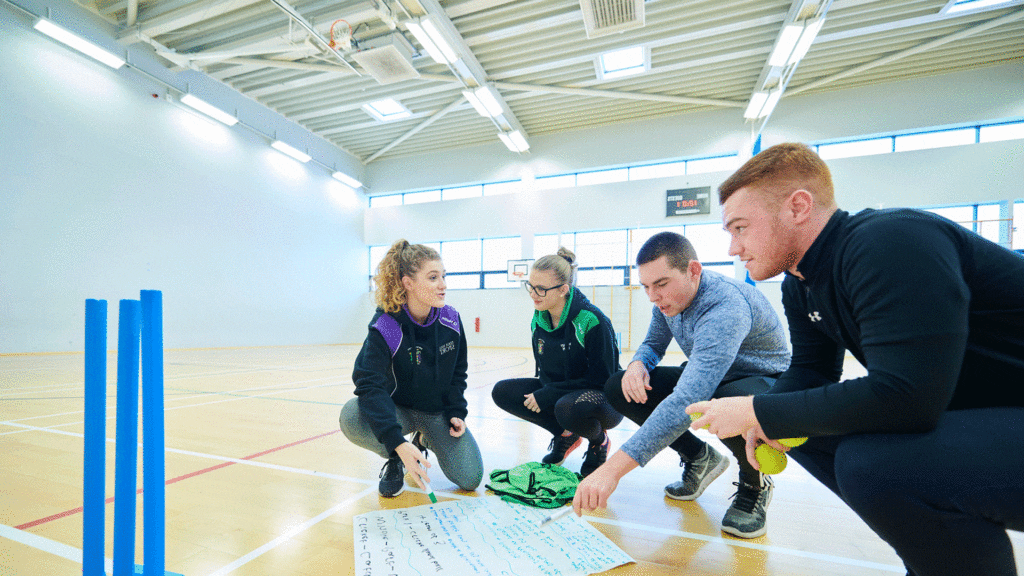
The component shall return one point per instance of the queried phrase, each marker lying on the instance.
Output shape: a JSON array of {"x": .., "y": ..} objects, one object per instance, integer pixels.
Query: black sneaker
[
  {"x": 561, "y": 447},
  {"x": 392, "y": 478},
  {"x": 596, "y": 455},
  {"x": 697, "y": 475},
  {"x": 747, "y": 517}
]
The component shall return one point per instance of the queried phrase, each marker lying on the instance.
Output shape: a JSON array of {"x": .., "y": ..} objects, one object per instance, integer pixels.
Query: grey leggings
[{"x": 459, "y": 457}]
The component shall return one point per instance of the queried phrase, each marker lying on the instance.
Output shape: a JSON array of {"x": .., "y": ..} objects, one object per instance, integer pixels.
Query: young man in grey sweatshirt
[{"x": 735, "y": 346}]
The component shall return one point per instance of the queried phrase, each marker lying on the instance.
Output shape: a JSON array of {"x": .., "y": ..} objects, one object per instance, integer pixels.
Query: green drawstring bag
[{"x": 535, "y": 484}]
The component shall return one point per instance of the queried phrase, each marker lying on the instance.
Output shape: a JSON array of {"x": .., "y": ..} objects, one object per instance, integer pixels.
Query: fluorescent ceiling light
[
  {"x": 78, "y": 43},
  {"x": 784, "y": 47},
  {"x": 806, "y": 39},
  {"x": 624, "y": 62},
  {"x": 209, "y": 110},
  {"x": 484, "y": 101},
  {"x": 514, "y": 141},
  {"x": 757, "y": 101},
  {"x": 769, "y": 104},
  {"x": 347, "y": 180},
  {"x": 387, "y": 110},
  {"x": 290, "y": 151},
  {"x": 430, "y": 38}
]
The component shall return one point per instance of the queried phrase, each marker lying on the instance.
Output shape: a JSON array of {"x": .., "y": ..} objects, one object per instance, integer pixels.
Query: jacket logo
[
  {"x": 814, "y": 316},
  {"x": 540, "y": 346},
  {"x": 446, "y": 347},
  {"x": 416, "y": 356}
]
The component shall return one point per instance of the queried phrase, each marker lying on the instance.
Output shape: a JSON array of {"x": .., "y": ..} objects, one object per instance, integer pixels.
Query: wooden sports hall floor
[{"x": 261, "y": 482}]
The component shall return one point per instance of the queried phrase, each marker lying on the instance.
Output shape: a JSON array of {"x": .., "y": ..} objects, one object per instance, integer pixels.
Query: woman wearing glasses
[{"x": 575, "y": 352}]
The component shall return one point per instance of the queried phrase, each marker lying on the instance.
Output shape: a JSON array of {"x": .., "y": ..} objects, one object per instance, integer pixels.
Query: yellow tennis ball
[
  {"x": 695, "y": 416},
  {"x": 792, "y": 442},
  {"x": 771, "y": 460}
]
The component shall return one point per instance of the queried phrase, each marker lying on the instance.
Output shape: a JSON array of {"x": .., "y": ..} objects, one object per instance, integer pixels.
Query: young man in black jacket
[{"x": 928, "y": 448}]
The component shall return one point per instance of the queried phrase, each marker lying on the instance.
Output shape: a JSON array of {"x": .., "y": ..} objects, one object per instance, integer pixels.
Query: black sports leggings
[{"x": 583, "y": 412}]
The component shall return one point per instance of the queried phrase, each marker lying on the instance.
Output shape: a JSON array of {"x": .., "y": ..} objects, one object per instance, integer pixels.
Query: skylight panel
[
  {"x": 387, "y": 110},
  {"x": 621, "y": 63}
]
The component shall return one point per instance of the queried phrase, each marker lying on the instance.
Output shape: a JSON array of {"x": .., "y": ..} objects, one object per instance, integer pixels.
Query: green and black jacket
[{"x": 580, "y": 353}]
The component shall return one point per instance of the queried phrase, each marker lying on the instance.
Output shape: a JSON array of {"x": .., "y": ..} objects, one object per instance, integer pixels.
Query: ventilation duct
[
  {"x": 387, "y": 58},
  {"x": 603, "y": 17}
]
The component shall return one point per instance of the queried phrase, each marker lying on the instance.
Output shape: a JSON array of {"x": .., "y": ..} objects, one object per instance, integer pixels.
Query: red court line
[{"x": 74, "y": 511}]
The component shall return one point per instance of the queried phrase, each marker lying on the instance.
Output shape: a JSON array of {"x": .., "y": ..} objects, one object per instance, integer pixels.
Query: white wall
[{"x": 107, "y": 190}]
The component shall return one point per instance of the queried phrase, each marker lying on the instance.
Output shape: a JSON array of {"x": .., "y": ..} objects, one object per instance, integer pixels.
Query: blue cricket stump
[{"x": 140, "y": 329}]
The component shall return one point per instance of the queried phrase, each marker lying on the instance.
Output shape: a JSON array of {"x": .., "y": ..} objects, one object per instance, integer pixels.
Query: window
[
  {"x": 997, "y": 132},
  {"x": 855, "y": 148},
  {"x": 601, "y": 277},
  {"x": 594, "y": 249},
  {"x": 376, "y": 255},
  {"x": 389, "y": 200},
  {"x": 988, "y": 223},
  {"x": 498, "y": 251},
  {"x": 658, "y": 170},
  {"x": 549, "y": 182},
  {"x": 497, "y": 188},
  {"x": 638, "y": 236},
  {"x": 462, "y": 192},
  {"x": 959, "y": 214},
  {"x": 462, "y": 281},
  {"x": 495, "y": 280},
  {"x": 420, "y": 197},
  {"x": 1017, "y": 241},
  {"x": 461, "y": 256},
  {"x": 710, "y": 241},
  {"x": 939, "y": 139},
  {"x": 720, "y": 164},
  {"x": 544, "y": 244},
  {"x": 602, "y": 176}
]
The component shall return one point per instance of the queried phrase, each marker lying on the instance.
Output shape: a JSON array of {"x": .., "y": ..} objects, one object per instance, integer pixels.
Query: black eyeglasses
[{"x": 542, "y": 292}]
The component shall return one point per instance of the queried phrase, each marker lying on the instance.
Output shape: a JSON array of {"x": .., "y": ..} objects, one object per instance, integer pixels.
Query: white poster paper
[{"x": 478, "y": 536}]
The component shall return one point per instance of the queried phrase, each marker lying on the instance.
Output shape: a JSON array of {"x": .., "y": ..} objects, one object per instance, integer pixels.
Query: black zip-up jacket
[
  {"x": 417, "y": 366},
  {"x": 933, "y": 311},
  {"x": 581, "y": 353}
]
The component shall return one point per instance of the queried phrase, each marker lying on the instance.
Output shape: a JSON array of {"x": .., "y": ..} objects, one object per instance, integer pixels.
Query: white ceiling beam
[
  {"x": 184, "y": 16},
  {"x": 668, "y": 40},
  {"x": 506, "y": 121},
  {"x": 616, "y": 94},
  {"x": 966, "y": 33},
  {"x": 131, "y": 13},
  {"x": 473, "y": 6},
  {"x": 313, "y": 67},
  {"x": 440, "y": 114}
]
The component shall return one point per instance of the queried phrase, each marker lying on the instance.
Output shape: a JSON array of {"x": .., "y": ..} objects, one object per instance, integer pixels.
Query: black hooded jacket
[
  {"x": 580, "y": 353},
  {"x": 417, "y": 366}
]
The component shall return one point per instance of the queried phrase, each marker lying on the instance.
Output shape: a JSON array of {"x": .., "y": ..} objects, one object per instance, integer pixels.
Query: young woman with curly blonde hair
[{"x": 410, "y": 376}]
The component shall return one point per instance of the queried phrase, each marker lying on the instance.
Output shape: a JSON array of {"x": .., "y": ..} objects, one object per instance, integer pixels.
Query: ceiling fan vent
[
  {"x": 603, "y": 17},
  {"x": 388, "y": 59}
]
